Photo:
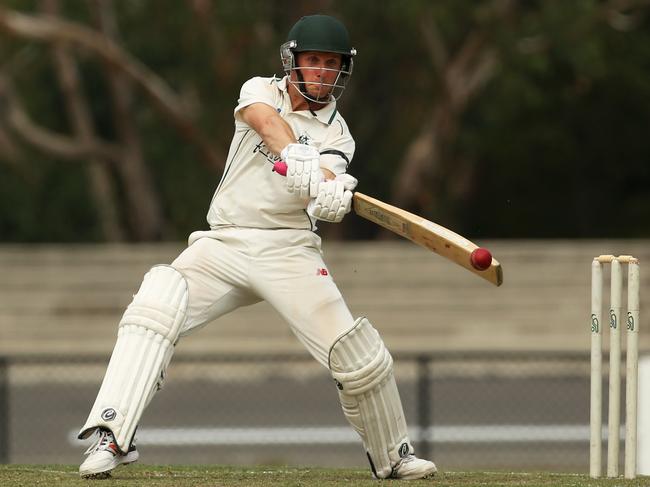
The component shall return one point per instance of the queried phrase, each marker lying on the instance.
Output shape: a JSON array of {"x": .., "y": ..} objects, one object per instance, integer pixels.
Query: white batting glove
[
  {"x": 303, "y": 169},
  {"x": 334, "y": 199}
]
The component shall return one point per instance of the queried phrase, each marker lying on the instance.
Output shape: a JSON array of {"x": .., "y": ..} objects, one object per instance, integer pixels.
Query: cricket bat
[
  {"x": 418, "y": 230},
  {"x": 423, "y": 232}
]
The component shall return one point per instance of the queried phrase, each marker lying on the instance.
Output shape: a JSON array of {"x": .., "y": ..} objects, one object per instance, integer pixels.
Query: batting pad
[
  {"x": 146, "y": 336},
  {"x": 363, "y": 371}
]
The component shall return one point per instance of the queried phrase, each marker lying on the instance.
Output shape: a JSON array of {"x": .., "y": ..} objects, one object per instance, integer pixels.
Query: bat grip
[{"x": 280, "y": 167}]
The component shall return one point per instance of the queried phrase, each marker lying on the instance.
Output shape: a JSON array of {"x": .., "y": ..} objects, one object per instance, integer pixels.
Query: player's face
[{"x": 319, "y": 70}]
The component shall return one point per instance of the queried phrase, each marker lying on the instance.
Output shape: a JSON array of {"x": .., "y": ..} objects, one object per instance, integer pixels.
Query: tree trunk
[
  {"x": 428, "y": 164},
  {"x": 143, "y": 206},
  {"x": 99, "y": 175},
  {"x": 162, "y": 97}
]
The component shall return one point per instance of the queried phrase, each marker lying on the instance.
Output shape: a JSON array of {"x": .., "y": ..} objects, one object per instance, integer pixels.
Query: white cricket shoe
[
  {"x": 411, "y": 468},
  {"x": 104, "y": 456}
]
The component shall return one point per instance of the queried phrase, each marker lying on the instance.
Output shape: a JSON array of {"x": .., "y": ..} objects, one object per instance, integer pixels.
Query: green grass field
[{"x": 213, "y": 476}]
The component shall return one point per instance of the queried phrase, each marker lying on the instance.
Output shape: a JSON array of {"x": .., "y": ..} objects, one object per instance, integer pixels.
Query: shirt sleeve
[
  {"x": 256, "y": 90},
  {"x": 337, "y": 149}
]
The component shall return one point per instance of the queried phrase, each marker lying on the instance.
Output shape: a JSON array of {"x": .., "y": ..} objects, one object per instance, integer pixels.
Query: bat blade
[{"x": 423, "y": 232}]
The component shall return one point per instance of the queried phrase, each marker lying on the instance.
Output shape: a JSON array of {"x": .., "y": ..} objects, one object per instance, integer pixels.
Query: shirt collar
[{"x": 324, "y": 115}]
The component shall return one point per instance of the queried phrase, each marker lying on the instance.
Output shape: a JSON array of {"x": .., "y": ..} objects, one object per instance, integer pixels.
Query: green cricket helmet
[{"x": 320, "y": 33}]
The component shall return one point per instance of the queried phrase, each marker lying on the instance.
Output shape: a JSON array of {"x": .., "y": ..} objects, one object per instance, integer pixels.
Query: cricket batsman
[{"x": 262, "y": 245}]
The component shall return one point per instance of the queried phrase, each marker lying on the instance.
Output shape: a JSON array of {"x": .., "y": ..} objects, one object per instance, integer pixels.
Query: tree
[
  {"x": 503, "y": 118},
  {"x": 121, "y": 70}
]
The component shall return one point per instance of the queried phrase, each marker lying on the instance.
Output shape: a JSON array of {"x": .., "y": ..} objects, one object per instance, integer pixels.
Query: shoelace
[
  {"x": 105, "y": 438},
  {"x": 408, "y": 458},
  {"x": 404, "y": 461}
]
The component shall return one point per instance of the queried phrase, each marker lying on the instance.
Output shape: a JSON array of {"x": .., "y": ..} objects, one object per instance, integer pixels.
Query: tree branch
[
  {"x": 433, "y": 42},
  {"x": 462, "y": 74},
  {"x": 143, "y": 202},
  {"x": 46, "y": 29},
  {"x": 101, "y": 181},
  {"x": 61, "y": 146},
  {"x": 8, "y": 150},
  {"x": 475, "y": 77}
]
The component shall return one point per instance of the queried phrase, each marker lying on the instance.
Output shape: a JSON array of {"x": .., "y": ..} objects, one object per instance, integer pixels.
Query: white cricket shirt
[{"x": 250, "y": 194}]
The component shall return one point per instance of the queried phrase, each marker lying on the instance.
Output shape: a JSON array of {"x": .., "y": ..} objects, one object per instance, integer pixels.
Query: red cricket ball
[{"x": 481, "y": 259}]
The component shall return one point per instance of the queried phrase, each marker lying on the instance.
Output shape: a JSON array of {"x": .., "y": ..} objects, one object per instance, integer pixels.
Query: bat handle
[{"x": 280, "y": 167}]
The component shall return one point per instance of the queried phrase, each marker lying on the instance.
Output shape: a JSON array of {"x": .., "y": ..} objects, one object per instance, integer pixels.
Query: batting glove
[
  {"x": 303, "y": 169},
  {"x": 334, "y": 199}
]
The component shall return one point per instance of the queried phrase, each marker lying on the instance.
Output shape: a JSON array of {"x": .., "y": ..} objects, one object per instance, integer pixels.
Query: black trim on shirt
[
  {"x": 329, "y": 122},
  {"x": 337, "y": 153},
  {"x": 312, "y": 222},
  {"x": 229, "y": 163}
]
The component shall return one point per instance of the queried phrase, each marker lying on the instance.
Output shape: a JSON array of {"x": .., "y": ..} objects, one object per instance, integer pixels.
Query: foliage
[{"x": 554, "y": 144}]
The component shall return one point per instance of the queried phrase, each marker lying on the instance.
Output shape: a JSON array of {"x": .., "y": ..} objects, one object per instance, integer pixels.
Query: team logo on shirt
[
  {"x": 272, "y": 158},
  {"x": 304, "y": 139},
  {"x": 262, "y": 149}
]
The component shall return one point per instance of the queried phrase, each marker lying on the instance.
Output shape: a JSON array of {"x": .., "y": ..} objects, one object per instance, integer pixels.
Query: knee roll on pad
[
  {"x": 146, "y": 336},
  {"x": 363, "y": 371}
]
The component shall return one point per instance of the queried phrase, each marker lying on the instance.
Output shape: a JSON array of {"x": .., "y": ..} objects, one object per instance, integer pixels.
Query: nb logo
[{"x": 322, "y": 272}]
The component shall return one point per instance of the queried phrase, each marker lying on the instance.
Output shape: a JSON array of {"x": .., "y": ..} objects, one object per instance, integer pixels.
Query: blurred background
[{"x": 522, "y": 125}]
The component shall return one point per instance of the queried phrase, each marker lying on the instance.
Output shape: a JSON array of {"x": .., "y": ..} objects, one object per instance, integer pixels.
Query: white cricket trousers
[{"x": 233, "y": 267}]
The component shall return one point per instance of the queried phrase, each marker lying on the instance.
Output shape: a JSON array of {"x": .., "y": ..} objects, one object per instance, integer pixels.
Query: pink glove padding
[
  {"x": 303, "y": 169},
  {"x": 334, "y": 199}
]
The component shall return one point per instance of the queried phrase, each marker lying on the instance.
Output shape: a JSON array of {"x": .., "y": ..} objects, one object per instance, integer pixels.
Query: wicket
[{"x": 613, "y": 428}]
